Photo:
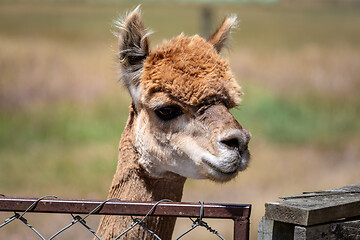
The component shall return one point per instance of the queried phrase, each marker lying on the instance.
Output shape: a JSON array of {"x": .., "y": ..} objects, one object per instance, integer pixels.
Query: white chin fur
[{"x": 198, "y": 164}]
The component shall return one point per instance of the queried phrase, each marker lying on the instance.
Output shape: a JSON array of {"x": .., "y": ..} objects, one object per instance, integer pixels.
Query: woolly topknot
[{"x": 190, "y": 70}]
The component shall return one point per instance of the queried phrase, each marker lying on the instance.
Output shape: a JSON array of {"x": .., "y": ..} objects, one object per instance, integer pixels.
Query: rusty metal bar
[
  {"x": 240, "y": 213},
  {"x": 241, "y": 229},
  {"x": 173, "y": 209}
]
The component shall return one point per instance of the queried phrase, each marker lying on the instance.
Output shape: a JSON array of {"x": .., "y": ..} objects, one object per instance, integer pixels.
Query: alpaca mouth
[
  {"x": 229, "y": 173},
  {"x": 226, "y": 169}
]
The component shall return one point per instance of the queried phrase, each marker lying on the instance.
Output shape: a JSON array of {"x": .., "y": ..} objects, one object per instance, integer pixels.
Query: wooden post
[
  {"x": 331, "y": 214},
  {"x": 338, "y": 230}
]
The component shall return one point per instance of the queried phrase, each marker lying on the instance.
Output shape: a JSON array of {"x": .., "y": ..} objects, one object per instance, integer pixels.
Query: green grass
[
  {"x": 64, "y": 124},
  {"x": 62, "y": 113},
  {"x": 75, "y": 32},
  {"x": 73, "y": 149},
  {"x": 73, "y": 145},
  {"x": 294, "y": 26},
  {"x": 298, "y": 120},
  {"x": 265, "y": 26}
]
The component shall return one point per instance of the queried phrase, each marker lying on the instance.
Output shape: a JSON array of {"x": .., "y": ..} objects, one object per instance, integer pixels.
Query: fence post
[
  {"x": 330, "y": 214},
  {"x": 241, "y": 228}
]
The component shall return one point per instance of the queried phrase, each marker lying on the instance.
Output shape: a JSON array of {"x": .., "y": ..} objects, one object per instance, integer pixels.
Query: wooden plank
[
  {"x": 316, "y": 207},
  {"x": 332, "y": 231}
]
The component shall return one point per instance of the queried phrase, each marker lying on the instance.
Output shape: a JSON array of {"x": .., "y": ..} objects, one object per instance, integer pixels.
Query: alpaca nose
[
  {"x": 230, "y": 143},
  {"x": 235, "y": 139}
]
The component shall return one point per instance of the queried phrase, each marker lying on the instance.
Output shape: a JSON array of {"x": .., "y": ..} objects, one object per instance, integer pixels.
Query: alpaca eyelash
[{"x": 168, "y": 112}]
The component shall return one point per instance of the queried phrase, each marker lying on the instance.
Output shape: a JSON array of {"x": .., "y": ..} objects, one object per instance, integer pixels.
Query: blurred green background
[{"x": 62, "y": 109}]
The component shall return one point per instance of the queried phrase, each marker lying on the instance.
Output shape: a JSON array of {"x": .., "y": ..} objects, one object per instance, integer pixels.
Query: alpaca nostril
[{"x": 231, "y": 143}]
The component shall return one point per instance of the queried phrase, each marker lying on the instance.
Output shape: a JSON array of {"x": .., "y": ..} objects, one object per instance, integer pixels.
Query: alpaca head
[{"x": 182, "y": 92}]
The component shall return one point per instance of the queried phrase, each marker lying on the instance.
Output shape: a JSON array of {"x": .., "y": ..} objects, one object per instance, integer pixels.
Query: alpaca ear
[
  {"x": 133, "y": 50},
  {"x": 219, "y": 38}
]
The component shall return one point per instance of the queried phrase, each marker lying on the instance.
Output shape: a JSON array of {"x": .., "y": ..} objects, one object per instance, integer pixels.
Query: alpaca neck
[{"x": 132, "y": 183}]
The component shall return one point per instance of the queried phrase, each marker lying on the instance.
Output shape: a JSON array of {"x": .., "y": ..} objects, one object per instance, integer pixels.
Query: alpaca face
[
  {"x": 182, "y": 92},
  {"x": 195, "y": 142}
]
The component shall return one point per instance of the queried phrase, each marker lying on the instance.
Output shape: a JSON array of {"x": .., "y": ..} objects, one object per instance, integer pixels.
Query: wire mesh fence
[{"x": 240, "y": 213}]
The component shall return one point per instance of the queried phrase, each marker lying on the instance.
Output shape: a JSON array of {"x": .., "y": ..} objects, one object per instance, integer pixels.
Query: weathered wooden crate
[{"x": 331, "y": 214}]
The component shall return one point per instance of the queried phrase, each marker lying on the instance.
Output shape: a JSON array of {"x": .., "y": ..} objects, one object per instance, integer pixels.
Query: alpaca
[{"x": 179, "y": 124}]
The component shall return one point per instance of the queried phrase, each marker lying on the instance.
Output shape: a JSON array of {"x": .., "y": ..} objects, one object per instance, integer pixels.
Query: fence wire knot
[
  {"x": 205, "y": 225},
  {"x": 199, "y": 222}
]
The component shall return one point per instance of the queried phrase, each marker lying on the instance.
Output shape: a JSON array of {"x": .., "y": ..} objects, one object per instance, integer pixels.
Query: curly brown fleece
[{"x": 190, "y": 70}]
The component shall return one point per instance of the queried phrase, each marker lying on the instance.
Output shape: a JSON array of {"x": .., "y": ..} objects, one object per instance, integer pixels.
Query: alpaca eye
[{"x": 168, "y": 113}]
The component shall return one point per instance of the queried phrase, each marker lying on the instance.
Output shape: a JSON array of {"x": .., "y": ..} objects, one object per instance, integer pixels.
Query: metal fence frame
[{"x": 239, "y": 213}]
